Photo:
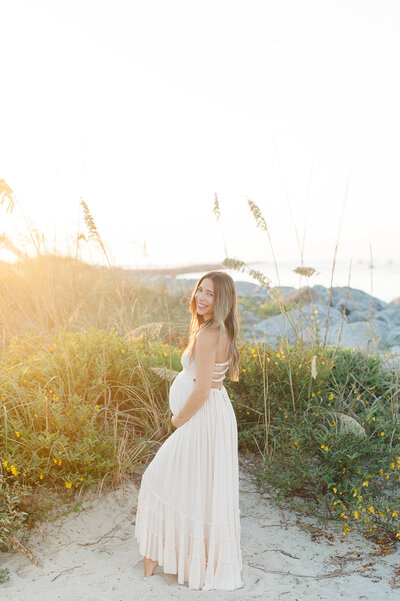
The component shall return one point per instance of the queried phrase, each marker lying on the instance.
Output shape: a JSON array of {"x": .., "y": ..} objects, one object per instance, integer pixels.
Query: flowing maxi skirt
[{"x": 188, "y": 516}]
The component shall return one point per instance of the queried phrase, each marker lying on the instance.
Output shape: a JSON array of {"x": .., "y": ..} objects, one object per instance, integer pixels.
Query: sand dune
[{"x": 93, "y": 555}]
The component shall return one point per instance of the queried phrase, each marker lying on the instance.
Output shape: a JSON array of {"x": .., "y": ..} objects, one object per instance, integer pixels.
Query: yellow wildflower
[{"x": 68, "y": 484}]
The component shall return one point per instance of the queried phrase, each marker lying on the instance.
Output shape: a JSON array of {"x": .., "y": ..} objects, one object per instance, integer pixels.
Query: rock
[
  {"x": 357, "y": 301},
  {"x": 302, "y": 296},
  {"x": 392, "y": 314},
  {"x": 301, "y": 322},
  {"x": 382, "y": 334},
  {"x": 359, "y": 335},
  {"x": 355, "y": 315},
  {"x": 394, "y": 338},
  {"x": 249, "y": 289},
  {"x": 249, "y": 318}
]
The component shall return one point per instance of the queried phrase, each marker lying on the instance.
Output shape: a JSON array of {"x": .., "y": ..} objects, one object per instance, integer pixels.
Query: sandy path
[{"x": 93, "y": 555}]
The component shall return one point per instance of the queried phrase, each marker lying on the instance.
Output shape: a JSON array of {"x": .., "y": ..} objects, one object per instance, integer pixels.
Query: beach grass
[{"x": 87, "y": 357}]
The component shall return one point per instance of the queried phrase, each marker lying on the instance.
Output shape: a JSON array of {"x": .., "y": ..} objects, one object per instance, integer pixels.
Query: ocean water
[{"x": 382, "y": 281}]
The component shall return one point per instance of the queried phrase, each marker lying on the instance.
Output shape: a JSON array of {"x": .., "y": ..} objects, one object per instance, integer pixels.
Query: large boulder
[
  {"x": 360, "y": 335},
  {"x": 309, "y": 323},
  {"x": 394, "y": 337},
  {"x": 356, "y": 304},
  {"x": 391, "y": 313},
  {"x": 302, "y": 296},
  {"x": 301, "y": 322}
]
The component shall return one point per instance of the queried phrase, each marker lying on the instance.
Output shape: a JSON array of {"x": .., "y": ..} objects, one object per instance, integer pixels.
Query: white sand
[{"x": 93, "y": 556}]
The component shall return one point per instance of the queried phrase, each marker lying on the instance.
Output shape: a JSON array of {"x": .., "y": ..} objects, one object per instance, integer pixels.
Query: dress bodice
[{"x": 189, "y": 364}]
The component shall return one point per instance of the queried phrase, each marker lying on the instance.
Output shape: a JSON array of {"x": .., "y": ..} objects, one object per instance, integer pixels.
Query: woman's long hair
[{"x": 226, "y": 316}]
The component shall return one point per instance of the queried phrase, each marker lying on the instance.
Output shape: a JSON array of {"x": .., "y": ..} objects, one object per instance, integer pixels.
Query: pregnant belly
[{"x": 180, "y": 389}]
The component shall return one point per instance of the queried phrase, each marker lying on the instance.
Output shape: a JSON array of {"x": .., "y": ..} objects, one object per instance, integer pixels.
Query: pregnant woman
[{"x": 188, "y": 517}]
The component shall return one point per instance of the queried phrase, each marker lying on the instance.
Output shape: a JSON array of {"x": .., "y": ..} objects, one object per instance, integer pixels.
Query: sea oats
[
  {"x": 165, "y": 373},
  {"x": 6, "y": 195},
  {"x": 150, "y": 330},
  {"x": 349, "y": 424},
  {"x": 260, "y": 221},
  {"x": 314, "y": 366},
  {"x": 306, "y": 271},
  {"x": 276, "y": 294},
  {"x": 216, "y": 210},
  {"x": 89, "y": 221},
  {"x": 5, "y": 242},
  {"x": 238, "y": 265}
]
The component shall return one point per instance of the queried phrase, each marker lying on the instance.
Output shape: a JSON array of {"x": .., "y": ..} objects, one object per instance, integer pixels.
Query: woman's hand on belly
[{"x": 177, "y": 421}]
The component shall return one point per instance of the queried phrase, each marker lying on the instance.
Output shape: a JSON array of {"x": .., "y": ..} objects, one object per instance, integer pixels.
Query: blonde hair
[{"x": 226, "y": 316}]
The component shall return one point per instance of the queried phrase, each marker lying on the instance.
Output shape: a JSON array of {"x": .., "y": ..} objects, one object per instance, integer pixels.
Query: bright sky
[{"x": 147, "y": 109}]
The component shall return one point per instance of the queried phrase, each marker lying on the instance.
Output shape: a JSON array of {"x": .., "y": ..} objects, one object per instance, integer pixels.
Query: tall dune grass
[{"x": 87, "y": 357}]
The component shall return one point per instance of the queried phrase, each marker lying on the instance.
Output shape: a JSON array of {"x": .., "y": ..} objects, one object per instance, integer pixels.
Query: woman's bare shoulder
[
  {"x": 210, "y": 337},
  {"x": 208, "y": 334}
]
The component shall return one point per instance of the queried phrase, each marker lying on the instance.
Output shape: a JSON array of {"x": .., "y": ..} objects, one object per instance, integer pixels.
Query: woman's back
[{"x": 223, "y": 348}]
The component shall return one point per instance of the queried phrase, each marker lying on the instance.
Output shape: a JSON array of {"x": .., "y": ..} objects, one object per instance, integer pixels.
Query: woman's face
[{"x": 205, "y": 299}]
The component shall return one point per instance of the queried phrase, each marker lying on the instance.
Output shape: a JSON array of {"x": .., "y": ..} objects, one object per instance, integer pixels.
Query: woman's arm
[{"x": 206, "y": 352}]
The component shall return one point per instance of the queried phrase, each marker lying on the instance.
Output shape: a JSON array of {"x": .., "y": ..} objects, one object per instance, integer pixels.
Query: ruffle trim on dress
[
  {"x": 145, "y": 483},
  {"x": 207, "y": 556}
]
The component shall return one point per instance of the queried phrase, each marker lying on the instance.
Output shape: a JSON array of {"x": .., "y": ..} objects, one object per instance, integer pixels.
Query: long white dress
[{"x": 188, "y": 516}]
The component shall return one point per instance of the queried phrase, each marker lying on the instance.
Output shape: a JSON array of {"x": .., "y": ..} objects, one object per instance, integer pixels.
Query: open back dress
[{"x": 188, "y": 516}]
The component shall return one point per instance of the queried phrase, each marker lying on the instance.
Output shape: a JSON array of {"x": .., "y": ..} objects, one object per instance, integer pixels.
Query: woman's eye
[{"x": 209, "y": 293}]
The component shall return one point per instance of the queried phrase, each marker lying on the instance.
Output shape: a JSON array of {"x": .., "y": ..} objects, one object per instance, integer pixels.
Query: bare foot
[{"x": 149, "y": 566}]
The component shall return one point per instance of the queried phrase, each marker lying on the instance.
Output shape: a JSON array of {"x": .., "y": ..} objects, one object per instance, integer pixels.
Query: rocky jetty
[{"x": 342, "y": 316}]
